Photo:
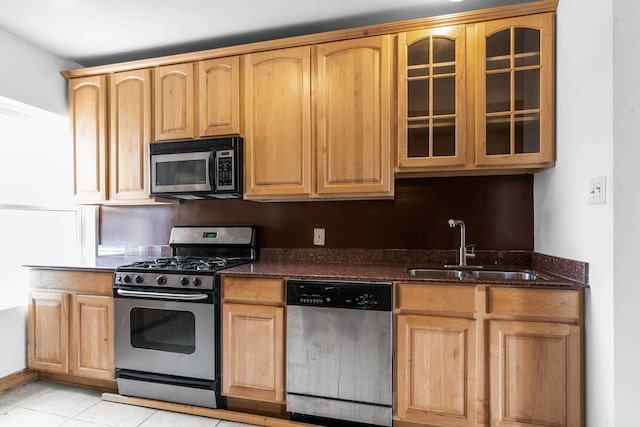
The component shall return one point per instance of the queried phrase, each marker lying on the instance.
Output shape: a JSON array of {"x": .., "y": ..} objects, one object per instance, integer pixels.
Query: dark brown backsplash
[{"x": 497, "y": 210}]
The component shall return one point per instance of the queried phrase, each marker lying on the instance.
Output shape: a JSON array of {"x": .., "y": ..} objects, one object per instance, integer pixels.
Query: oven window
[
  {"x": 183, "y": 172},
  {"x": 163, "y": 330}
]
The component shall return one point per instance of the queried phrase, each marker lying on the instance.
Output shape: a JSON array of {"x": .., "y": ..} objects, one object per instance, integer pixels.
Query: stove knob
[
  {"x": 197, "y": 281},
  {"x": 126, "y": 279},
  {"x": 139, "y": 279},
  {"x": 184, "y": 281},
  {"x": 161, "y": 280}
]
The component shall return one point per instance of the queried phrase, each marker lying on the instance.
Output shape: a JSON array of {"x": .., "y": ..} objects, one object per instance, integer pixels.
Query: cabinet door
[
  {"x": 130, "y": 120},
  {"x": 436, "y": 370},
  {"x": 536, "y": 373},
  {"x": 92, "y": 341},
  {"x": 515, "y": 86},
  {"x": 278, "y": 124},
  {"x": 88, "y": 115},
  {"x": 353, "y": 118},
  {"x": 49, "y": 331},
  {"x": 219, "y": 96},
  {"x": 431, "y": 98},
  {"x": 253, "y": 361},
  {"x": 174, "y": 101}
]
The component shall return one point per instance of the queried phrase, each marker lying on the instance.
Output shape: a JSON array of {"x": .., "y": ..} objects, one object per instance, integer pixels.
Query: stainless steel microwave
[{"x": 197, "y": 169}]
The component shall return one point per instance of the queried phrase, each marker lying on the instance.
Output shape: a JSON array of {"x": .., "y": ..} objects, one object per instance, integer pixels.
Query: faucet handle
[{"x": 471, "y": 254}]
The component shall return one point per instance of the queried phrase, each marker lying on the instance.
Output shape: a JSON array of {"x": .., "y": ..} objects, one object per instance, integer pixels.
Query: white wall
[
  {"x": 32, "y": 75},
  {"x": 565, "y": 224},
  {"x": 626, "y": 150},
  {"x": 13, "y": 336}
]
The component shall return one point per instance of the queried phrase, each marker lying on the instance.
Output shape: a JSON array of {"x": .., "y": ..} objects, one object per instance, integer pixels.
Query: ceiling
[{"x": 96, "y": 32}]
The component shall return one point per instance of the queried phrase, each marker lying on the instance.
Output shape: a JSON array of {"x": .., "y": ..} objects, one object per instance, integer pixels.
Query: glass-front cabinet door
[
  {"x": 431, "y": 98},
  {"x": 514, "y": 97}
]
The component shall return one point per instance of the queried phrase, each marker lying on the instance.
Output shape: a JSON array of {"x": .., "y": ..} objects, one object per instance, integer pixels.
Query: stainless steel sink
[
  {"x": 436, "y": 273},
  {"x": 505, "y": 275}
]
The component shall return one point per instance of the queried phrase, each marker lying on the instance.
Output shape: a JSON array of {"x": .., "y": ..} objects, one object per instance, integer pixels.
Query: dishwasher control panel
[{"x": 340, "y": 294}]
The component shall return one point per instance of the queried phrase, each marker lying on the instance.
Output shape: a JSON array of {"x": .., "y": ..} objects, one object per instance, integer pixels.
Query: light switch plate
[
  {"x": 598, "y": 189},
  {"x": 318, "y": 236}
]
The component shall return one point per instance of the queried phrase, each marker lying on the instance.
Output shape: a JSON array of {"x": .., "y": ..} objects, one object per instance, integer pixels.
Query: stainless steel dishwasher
[{"x": 339, "y": 350}]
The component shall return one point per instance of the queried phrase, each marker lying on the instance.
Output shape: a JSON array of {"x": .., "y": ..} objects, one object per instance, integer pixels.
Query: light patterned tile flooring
[{"x": 47, "y": 404}]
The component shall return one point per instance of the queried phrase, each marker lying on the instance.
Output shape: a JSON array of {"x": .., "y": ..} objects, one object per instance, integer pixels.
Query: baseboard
[
  {"x": 17, "y": 379},
  {"x": 222, "y": 414},
  {"x": 103, "y": 385}
]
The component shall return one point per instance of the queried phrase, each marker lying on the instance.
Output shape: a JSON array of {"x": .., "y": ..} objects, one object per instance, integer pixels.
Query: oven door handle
[{"x": 162, "y": 295}]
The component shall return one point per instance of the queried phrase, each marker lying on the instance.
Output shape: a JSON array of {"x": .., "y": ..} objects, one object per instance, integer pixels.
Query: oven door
[{"x": 165, "y": 337}]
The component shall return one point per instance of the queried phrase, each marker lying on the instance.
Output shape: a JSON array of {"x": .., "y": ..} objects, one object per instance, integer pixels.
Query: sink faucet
[{"x": 463, "y": 254}]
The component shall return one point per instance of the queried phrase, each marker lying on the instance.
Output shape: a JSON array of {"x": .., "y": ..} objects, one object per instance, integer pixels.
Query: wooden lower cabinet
[
  {"x": 488, "y": 356},
  {"x": 436, "y": 365},
  {"x": 71, "y": 334},
  {"x": 48, "y": 331},
  {"x": 436, "y": 354},
  {"x": 253, "y": 350},
  {"x": 92, "y": 340},
  {"x": 70, "y": 331},
  {"x": 253, "y": 356}
]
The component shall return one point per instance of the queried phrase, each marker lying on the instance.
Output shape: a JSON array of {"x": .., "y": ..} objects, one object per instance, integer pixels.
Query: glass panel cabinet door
[
  {"x": 431, "y": 101},
  {"x": 515, "y": 90}
]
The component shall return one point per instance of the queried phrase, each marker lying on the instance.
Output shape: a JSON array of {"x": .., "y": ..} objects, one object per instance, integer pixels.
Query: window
[{"x": 38, "y": 222}]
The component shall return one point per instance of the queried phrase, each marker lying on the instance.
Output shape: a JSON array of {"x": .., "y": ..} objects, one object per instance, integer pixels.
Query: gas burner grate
[{"x": 187, "y": 263}]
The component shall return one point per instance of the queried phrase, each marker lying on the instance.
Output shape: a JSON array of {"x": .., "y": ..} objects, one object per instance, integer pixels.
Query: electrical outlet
[
  {"x": 318, "y": 236},
  {"x": 598, "y": 189}
]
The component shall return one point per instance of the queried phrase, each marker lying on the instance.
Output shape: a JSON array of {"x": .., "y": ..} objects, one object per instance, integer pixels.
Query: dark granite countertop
[
  {"x": 378, "y": 265},
  {"x": 384, "y": 272},
  {"x": 392, "y": 265}
]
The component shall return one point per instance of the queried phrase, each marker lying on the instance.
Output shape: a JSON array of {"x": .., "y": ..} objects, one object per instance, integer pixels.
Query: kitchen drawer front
[
  {"x": 253, "y": 289},
  {"x": 436, "y": 298},
  {"x": 83, "y": 282},
  {"x": 537, "y": 303}
]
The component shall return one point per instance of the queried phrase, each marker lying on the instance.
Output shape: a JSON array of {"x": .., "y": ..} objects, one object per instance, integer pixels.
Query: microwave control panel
[{"x": 225, "y": 175}]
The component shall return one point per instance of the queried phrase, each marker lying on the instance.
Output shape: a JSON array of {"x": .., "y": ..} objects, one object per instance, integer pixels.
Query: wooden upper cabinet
[
  {"x": 277, "y": 131},
  {"x": 174, "y": 102},
  {"x": 219, "y": 96},
  {"x": 515, "y": 91},
  {"x": 130, "y": 135},
  {"x": 431, "y": 98},
  {"x": 353, "y": 118},
  {"x": 88, "y": 115}
]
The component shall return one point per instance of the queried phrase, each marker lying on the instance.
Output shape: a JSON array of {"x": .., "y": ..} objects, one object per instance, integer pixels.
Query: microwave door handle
[{"x": 213, "y": 171}]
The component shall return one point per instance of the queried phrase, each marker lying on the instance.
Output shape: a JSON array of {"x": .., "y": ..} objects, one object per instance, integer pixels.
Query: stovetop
[
  {"x": 198, "y": 252},
  {"x": 185, "y": 264}
]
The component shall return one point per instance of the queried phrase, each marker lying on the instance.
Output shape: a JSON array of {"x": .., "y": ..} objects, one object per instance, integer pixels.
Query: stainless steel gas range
[{"x": 167, "y": 316}]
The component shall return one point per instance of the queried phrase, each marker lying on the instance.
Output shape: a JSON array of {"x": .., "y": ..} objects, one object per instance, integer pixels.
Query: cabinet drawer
[
  {"x": 85, "y": 282},
  {"x": 436, "y": 298},
  {"x": 252, "y": 289},
  {"x": 546, "y": 303}
]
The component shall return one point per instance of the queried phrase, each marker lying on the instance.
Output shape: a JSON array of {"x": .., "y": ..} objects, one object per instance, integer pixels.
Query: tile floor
[{"x": 47, "y": 404}]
